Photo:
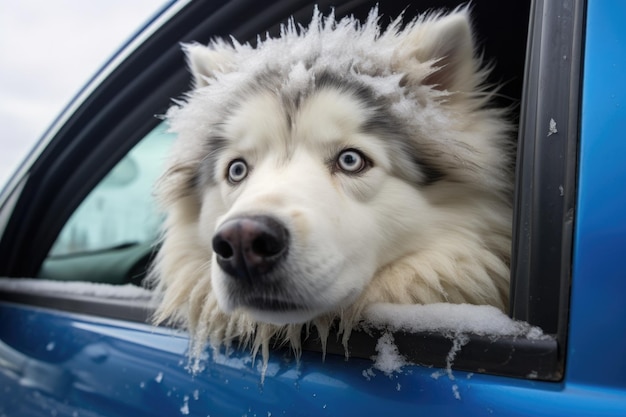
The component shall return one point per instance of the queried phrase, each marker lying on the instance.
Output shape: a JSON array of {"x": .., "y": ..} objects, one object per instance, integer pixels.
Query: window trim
[
  {"x": 139, "y": 311},
  {"x": 547, "y": 168}
]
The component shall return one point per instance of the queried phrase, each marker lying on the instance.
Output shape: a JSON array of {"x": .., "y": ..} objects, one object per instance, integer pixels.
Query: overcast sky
[{"x": 48, "y": 50}]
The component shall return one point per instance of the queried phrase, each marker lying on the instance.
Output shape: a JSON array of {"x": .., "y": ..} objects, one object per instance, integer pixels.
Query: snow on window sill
[
  {"x": 75, "y": 288},
  {"x": 448, "y": 319}
]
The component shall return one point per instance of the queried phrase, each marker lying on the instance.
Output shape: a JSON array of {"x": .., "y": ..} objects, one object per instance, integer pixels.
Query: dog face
[
  {"x": 299, "y": 190},
  {"x": 312, "y": 170}
]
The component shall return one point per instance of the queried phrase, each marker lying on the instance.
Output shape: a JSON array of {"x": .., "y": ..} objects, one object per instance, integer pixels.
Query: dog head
[{"x": 304, "y": 164}]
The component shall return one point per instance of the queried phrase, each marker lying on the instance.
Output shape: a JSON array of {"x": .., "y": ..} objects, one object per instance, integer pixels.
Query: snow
[
  {"x": 93, "y": 289},
  {"x": 455, "y": 391},
  {"x": 159, "y": 377},
  {"x": 437, "y": 374},
  {"x": 388, "y": 360},
  {"x": 368, "y": 373},
  {"x": 185, "y": 408},
  {"x": 450, "y": 319},
  {"x": 552, "y": 129},
  {"x": 458, "y": 342}
]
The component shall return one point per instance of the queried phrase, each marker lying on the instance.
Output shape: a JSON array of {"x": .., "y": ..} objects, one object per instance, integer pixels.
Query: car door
[{"x": 78, "y": 232}]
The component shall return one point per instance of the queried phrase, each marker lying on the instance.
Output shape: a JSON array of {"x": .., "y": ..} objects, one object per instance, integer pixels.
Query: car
[{"x": 78, "y": 231}]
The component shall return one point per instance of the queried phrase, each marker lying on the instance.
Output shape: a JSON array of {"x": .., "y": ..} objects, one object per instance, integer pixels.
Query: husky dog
[{"x": 330, "y": 168}]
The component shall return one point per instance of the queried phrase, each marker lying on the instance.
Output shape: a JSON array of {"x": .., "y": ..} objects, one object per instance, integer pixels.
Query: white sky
[{"x": 48, "y": 50}]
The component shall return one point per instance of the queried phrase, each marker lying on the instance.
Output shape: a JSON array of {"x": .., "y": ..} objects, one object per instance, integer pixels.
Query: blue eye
[
  {"x": 351, "y": 161},
  {"x": 237, "y": 171}
]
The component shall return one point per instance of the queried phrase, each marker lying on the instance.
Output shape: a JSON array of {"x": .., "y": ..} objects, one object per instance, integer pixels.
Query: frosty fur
[{"x": 413, "y": 240}]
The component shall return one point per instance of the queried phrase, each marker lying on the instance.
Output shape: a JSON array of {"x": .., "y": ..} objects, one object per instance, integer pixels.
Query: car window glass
[
  {"x": 110, "y": 237},
  {"x": 120, "y": 210}
]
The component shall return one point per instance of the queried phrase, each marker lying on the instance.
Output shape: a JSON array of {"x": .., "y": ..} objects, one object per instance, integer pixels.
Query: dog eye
[
  {"x": 237, "y": 171},
  {"x": 351, "y": 161}
]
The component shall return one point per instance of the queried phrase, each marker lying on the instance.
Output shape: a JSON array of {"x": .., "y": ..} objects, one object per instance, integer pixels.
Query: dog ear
[
  {"x": 446, "y": 44},
  {"x": 206, "y": 61}
]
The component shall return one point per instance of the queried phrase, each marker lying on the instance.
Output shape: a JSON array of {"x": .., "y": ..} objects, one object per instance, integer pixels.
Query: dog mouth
[
  {"x": 272, "y": 304},
  {"x": 269, "y": 308}
]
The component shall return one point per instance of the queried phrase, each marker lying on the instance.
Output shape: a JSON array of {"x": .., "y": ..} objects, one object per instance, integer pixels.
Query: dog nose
[{"x": 250, "y": 246}]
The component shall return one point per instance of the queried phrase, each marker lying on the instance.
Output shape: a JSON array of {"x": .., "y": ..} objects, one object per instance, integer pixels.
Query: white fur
[{"x": 356, "y": 240}]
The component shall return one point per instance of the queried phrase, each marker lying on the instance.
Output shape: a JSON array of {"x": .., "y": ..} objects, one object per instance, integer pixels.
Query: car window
[{"x": 117, "y": 221}]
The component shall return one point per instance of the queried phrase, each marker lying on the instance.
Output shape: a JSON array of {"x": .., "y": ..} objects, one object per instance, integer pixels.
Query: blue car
[{"x": 78, "y": 230}]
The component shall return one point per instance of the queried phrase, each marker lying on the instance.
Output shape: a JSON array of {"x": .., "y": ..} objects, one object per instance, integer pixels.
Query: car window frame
[{"x": 547, "y": 168}]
